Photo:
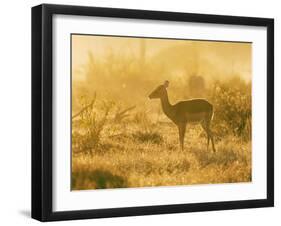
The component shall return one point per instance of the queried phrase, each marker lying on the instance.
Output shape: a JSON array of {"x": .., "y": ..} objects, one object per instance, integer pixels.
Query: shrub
[
  {"x": 232, "y": 104},
  {"x": 90, "y": 123},
  {"x": 152, "y": 136}
]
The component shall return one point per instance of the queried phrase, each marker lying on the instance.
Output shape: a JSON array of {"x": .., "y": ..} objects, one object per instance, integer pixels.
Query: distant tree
[
  {"x": 142, "y": 53},
  {"x": 196, "y": 85}
]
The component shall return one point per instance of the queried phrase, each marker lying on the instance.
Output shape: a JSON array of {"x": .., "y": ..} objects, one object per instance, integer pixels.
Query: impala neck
[{"x": 166, "y": 106}]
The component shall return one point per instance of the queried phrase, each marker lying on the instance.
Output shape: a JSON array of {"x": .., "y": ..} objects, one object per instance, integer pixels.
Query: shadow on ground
[{"x": 97, "y": 179}]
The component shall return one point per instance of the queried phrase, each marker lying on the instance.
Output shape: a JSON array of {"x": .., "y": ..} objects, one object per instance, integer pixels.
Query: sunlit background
[
  {"x": 123, "y": 68},
  {"x": 121, "y": 138}
]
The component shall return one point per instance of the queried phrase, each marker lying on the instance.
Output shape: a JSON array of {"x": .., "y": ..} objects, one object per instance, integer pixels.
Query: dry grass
[{"x": 128, "y": 161}]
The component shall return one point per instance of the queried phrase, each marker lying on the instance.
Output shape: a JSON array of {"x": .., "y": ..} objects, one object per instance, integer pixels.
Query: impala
[{"x": 184, "y": 112}]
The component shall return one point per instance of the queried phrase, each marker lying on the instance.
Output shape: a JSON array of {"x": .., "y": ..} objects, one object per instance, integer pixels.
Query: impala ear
[{"x": 166, "y": 84}]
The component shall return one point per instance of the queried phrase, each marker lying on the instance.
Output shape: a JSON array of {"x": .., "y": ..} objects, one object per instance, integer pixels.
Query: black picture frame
[{"x": 42, "y": 107}]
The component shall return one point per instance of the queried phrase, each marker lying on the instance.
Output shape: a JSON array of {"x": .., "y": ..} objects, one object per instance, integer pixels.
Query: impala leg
[
  {"x": 212, "y": 140},
  {"x": 182, "y": 128},
  {"x": 210, "y": 134},
  {"x": 203, "y": 124}
]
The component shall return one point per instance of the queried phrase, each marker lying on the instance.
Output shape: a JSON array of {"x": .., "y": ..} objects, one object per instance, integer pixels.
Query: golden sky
[{"x": 226, "y": 57}]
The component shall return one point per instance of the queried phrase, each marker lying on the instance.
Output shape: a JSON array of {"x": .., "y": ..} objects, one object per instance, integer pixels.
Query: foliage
[
  {"x": 233, "y": 112},
  {"x": 153, "y": 137},
  {"x": 91, "y": 124}
]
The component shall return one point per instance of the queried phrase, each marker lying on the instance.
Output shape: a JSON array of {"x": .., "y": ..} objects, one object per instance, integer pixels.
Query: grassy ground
[{"x": 143, "y": 159}]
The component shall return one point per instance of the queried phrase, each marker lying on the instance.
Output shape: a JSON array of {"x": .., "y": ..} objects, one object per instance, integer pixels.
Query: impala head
[{"x": 159, "y": 91}]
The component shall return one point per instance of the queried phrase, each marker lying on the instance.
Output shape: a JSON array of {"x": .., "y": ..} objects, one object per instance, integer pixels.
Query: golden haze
[{"x": 120, "y": 138}]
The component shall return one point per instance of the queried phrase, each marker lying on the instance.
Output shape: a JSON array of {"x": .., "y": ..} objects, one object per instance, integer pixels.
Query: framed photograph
[{"x": 145, "y": 112}]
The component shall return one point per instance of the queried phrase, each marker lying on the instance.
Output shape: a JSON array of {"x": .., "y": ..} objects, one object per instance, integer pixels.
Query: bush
[
  {"x": 232, "y": 104},
  {"x": 153, "y": 137},
  {"x": 90, "y": 123}
]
